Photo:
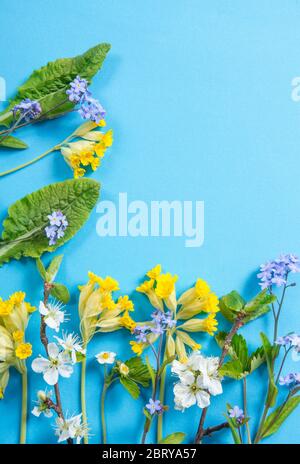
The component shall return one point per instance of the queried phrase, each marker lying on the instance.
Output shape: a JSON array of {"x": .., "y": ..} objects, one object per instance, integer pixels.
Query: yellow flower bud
[
  {"x": 170, "y": 346},
  {"x": 180, "y": 350},
  {"x": 187, "y": 340},
  {"x": 208, "y": 325}
]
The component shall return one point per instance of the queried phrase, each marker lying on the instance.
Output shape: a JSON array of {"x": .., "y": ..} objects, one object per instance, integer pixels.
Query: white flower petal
[
  {"x": 65, "y": 370},
  {"x": 40, "y": 365},
  {"x": 53, "y": 350},
  {"x": 43, "y": 309},
  {"x": 51, "y": 376},
  {"x": 203, "y": 399},
  {"x": 36, "y": 411}
]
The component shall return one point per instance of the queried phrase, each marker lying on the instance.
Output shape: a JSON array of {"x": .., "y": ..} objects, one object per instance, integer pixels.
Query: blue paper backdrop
[{"x": 199, "y": 96}]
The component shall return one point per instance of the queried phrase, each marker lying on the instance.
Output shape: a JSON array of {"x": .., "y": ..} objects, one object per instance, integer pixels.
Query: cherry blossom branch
[
  {"x": 239, "y": 322},
  {"x": 216, "y": 428},
  {"x": 57, "y": 407}
]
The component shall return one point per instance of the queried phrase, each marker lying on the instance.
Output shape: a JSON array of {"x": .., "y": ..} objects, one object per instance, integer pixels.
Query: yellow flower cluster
[
  {"x": 88, "y": 151},
  {"x": 99, "y": 311},
  {"x": 161, "y": 291},
  {"x": 14, "y": 316}
]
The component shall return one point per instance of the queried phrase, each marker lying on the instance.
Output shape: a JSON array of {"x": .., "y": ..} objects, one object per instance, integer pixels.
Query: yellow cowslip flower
[
  {"x": 187, "y": 340},
  {"x": 94, "y": 279},
  {"x": 137, "y": 348},
  {"x": 209, "y": 325},
  {"x": 18, "y": 336},
  {"x": 210, "y": 303},
  {"x": 180, "y": 350},
  {"x": 6, "y": 345},
  {"x": 202, "y": 288},
  {"x": 107, "y": 302},
  {"x": 79, "y": 172},
  {"x": 95, "y": 163},
  {"x": 127, "y": 322},
  {"x": 17, "y": 298},
  {"x": 125, "y": 303},
  {"x": 88, "y": 150},
  {"x": 147, "y": 287},
  {"x": 86, "y": 157},
  {"x": 165, "y": 289},
  {"x": 30, "y": 309},
  {"x": 24, "y": 350},
  {"x": 109, "y": 285},
  {"x": 6, "y": 307},
  {"x": 154, "y": 272},
  {"x": 165, "y": 285},
  {"x": 101, "y": 123}
]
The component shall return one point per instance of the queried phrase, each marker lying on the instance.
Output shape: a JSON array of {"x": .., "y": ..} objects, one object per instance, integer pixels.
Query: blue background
[{"x": 199, "y": 96}]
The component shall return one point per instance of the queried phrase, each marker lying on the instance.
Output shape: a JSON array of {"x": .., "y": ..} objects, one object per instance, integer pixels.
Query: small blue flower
[
  {"x": 237, "y": 414},
  {"x": 28, "y": 109},
  {"x": 92, "y": 109},
  {"x": 78, "y": 90},
  {"x": 154, "y": 406},
  {"x": 57, "y": 227},
  {"x": 276, "y": 272}
]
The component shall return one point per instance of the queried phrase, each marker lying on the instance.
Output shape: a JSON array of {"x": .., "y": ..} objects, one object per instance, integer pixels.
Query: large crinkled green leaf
[
  {"x": 48, "y": 84},
  {"x": 276, "y": 419},
  {"x": 23, "y": 229}
]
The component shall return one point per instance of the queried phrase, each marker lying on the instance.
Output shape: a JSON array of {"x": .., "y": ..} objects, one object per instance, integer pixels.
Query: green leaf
[
  {"x": 150, "y": 370},
  {"x": 41, "y": 269},
  {"x": 130, "y": 386},
  {"x": 60, "y": 292},
  {"x": 270, "y": 357},
  {"x": 260, "y": 300},
  {"x": 256, "y": 359},
  {"x": 232, "y": 427},
  {"x": 138, "y": 371},
  {"x": 233, "y": 369},
  {"x": 147, "y": 414},
  {"x": 54, "y": 268},
  {"x": 276, "y": 419},
  {"x": 13, "y": 142},
  {"x": 258, "y": 313},
  {"x": 240, "y": 349},
  {"x": 231, "y": 304},
  {"x": 173, "y": 439},
  {"x": 48, "y": 84},
  {"x": 23, "y": 233}
]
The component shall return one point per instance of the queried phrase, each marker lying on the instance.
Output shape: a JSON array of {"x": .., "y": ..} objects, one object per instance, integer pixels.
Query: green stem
[
  {"x": 83, "y": 400},
  {"x": 162, "y": 400},
  {"x": 245, "y": 409},
  {"x": 261, "y": 425},
  {"x": 34, "y": 160},
  {"x": 103, "y": 423},
  {"x": 24, "y": 408}
]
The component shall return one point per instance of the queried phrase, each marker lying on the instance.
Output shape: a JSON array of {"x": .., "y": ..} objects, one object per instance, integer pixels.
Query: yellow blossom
[
  {"x": 101, "y": 123},
  {"x": 107, "y": 302},
  {"x": 17, "y": 298},
  {"x": 155, "y": 272},
  {"x": 86, "y": 157},
  {"x": 95, "y": 163},
  {"x": 127, "y": 322},
  {"x": 137, "y": 347},
  {"x": 165, "y": 285},
  {"x": 24, "y": 350},
  {"x": 210, "y": 324},
  {"x": 79, "y": 172},
  {"x": 146, "y": 286},
  {"x": 75, "y": 161},
  {"x": 125, "y": 303},
  {"x": 6, "y": 308},
  {"x": 109, "y": 285},
  {"x": 107, "y": 138},
  {"x": 202, "y": 288},
  {"x": 30, "y": 309},
  {"x": 94, "y": 279},
  {"x": 211, "y": 303},
  {"x": 18, "y": 335}
]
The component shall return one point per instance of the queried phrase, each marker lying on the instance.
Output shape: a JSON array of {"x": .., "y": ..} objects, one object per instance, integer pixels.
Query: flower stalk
[
  {"x": 82, "y": 394},
  {"x": 24, "y": 408}
]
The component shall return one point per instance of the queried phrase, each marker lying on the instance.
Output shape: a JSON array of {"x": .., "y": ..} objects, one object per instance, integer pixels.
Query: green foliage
[
  {"x": 23, "y": 230},
  {"x": 48, "y": 84},
  {"x": 233, "y": 306},
  {"x": 60, "y": 292},
  {"x": 138, "y": 375},
  {"x": 241, "y": 364},
  {"x": 271, "y": 353},
  {"x": 173, "y": 439},
  {"x": 278, "y": 416},
  {"x": 12, "y": 142}
]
